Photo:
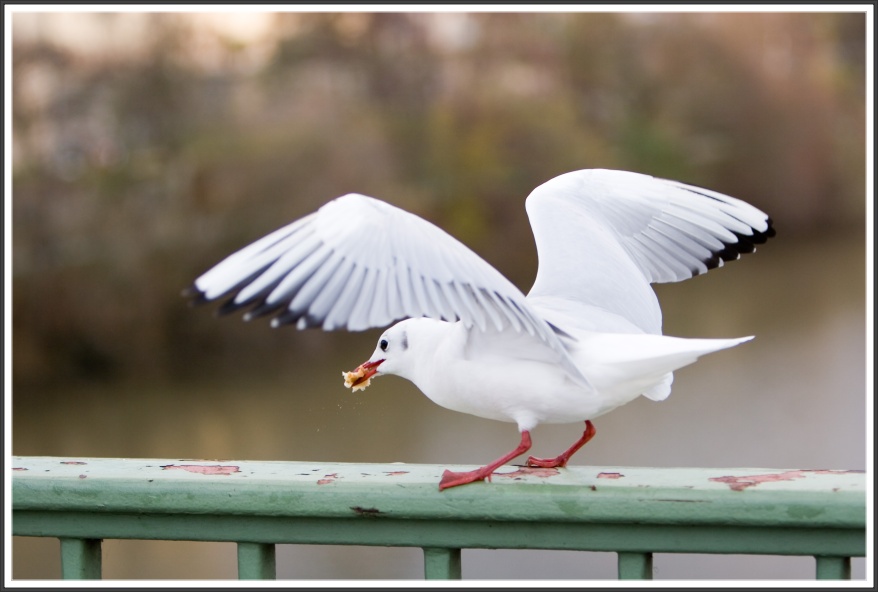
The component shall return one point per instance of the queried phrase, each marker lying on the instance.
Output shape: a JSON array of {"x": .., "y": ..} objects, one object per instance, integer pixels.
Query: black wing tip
[
  {"x": 230, "y": 306},
  {"x": 256, "y": 306},
  {"x": 768, "y": 232},
  {"x": 760, "y": 236},
  {"x": 195, "y": 296},
  {"x": 301, "y": 319},
  {"x": 744, "y": 243},
  {"x": 198, "y": 297}
]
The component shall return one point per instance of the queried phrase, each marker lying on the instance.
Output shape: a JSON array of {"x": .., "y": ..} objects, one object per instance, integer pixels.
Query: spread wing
[
  {"x": 359, "y": 263},
  {"x": 603, "y": 236}
]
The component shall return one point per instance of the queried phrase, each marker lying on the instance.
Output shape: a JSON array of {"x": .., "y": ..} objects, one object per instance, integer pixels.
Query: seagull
[{"x": 585, "y": 339}]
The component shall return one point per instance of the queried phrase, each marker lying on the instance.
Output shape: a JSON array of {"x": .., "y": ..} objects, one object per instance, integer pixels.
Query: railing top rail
[{"x": 681, "y": 496}]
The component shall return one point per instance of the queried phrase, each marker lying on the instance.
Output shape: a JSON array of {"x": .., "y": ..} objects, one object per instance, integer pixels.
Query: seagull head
[{"x": 395, "y": 353}]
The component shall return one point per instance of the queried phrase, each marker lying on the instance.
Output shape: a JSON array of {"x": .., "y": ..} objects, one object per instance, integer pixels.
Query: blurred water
[{"x": 792, "y": 398}]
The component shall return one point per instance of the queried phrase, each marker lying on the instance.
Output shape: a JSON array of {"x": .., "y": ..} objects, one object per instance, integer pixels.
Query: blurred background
[{"x": 148, "y": 146}]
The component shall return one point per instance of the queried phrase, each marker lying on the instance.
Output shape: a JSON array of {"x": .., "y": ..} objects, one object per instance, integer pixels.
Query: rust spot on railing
[
  {"x": 19, "y": 469},
  {"x": 395, "y": 473},
  {"x": 73, "y": 462},
  {"x": 327, "y": 479},
  {"x": 529, "y": 471},
  {"x": 366, "y": 511},
  {"x": 610, "y": 475},
  {"x": 206, "y": 469},
  {"x": 740, "y": 483}
]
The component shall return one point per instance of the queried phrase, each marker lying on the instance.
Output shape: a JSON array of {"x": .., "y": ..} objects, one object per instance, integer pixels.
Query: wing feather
[
  {"x": 358, "y": 263},
  {"x": 377, "y": 312},
  {"x": 603, "y": 236},
  {"x": 338, "y": 315},
  {"x": 331, "y": 291},
  {"x": 359, "y": 315}
]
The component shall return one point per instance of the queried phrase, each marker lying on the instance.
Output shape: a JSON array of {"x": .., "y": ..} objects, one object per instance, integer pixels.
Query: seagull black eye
[{"x": 383, "y": 344}]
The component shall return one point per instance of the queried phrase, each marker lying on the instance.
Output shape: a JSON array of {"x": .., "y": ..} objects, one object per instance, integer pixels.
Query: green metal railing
[{"x": 634, "y": 512}]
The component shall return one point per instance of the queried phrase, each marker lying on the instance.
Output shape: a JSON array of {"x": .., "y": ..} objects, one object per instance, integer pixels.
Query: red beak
[{"x": 369, "y": 368}]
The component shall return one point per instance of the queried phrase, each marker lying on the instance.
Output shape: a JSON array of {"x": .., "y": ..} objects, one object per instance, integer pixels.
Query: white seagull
[{"x": 586, "y": 339}]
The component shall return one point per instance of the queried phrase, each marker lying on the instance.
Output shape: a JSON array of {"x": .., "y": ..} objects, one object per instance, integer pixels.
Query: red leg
[
  {"x": 451, "y": 479},
  {"x": 561, "y": 459}
]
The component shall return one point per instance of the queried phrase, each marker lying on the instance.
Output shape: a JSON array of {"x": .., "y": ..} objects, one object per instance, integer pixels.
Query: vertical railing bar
[
  {"x": 635, "y": 566},
  {"x": 441, "y": 563},
  {"x": 256, "y": 561},
  {"x": 833, "y": 568},
  {"x": 80, "y": 559}
]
